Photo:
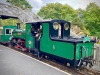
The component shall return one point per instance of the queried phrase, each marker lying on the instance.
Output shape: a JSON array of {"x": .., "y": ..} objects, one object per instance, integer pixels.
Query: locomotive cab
[
  {"x": 33, "y": 35},
  {"x": 57, "y": 42},
  {"x": 52, "y": 38}
]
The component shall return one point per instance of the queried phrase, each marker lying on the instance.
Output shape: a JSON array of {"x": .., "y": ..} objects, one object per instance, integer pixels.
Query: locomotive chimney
[{"x": 18, "y": 25}]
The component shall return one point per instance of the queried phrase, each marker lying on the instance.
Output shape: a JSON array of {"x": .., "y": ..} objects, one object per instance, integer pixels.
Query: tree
[
  {"x": 57, "y": 11},
  {"x": 20, "y": 3},
  {"x": 91, "y": 18},
  {"x": 78, "y": 20},
  {"x": 91, "y": 14},
  {"x": 80, "y": 13}
]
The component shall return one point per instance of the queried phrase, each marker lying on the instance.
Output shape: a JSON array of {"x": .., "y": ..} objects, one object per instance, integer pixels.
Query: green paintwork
[
  {"x": 89, "y": 50},
  {"x": 86, "y": 39},
  {"x": 19, "y": 33},
  {"x": 5, "y": 38},
  {"x": 62, "y": 49},
  {"x": 30, "y": 41}
]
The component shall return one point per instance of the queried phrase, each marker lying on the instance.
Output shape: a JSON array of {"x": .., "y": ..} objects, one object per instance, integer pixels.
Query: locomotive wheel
[
  {"x": 12, "y": 43},
  {"x": 9, "y": 45}
]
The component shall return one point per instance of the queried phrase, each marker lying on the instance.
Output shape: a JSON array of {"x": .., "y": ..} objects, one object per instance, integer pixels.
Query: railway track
[
  {"x": 87, "y": 71},
  {"x": 82, "y": 71}
]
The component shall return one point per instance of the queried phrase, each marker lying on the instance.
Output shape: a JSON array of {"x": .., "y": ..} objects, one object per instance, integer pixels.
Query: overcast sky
[
  {"x": 74, "y": 3},
  {"x": 37, "y": 4}
]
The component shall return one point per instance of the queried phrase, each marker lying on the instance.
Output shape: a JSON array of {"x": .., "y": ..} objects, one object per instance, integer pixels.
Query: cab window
[
  {"x": 8, "y": 31},
  {"x": 59, "y": 30},
  {"x": 36, "y": 29},
  {"x": 66, "y": 26},
  {"x": 55, "y": 25},
  {"x": 56, "y": 30}
]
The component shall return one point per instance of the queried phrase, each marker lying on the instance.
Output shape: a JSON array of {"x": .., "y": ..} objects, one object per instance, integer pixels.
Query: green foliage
[
  {"x": 98, "y": 34},
  {"x": 10, "y": 21},
  {"x": 91, "y": 18},
  {"x": 20, "y": 3},
  {"x": 57, "y": 11}
]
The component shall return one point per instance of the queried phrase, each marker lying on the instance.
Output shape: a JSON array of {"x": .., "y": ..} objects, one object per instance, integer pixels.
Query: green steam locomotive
[{"x": 52, "y": 39}]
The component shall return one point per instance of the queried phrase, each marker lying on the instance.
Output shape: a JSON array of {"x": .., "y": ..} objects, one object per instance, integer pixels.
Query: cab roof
[{"x": 45, "y": 21}]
